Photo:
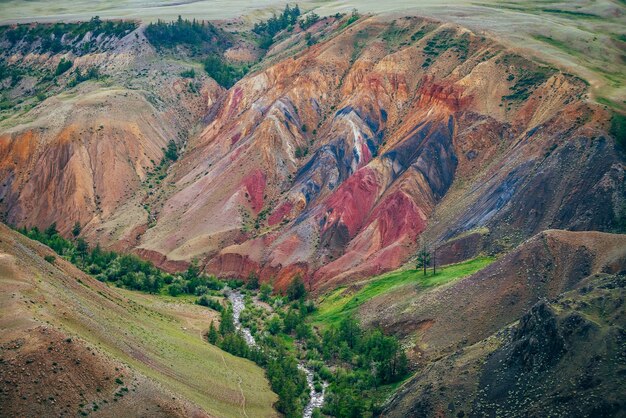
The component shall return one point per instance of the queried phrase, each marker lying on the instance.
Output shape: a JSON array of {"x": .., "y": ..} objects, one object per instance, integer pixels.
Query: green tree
[
  {"x": 225, "y": 74},
  {"x": 175, "y": 289},
  {"x": 291, "y": 321},
  {"x": 82, "y": 248},
  {"x": 51, "y": 230},
  {"x": 303, "y": 331},
  {"x": 350, "y": 331},
  {"x": 76, "y": 229},
  {"x": 235, "y": 344},
  {"x": 296, "y": 290},
  {"x": 63, "y": 66},
  {"x": 227, "y": 324},
  {"x": 253, "y": 281},
  {"x": 423, "y": 258},
  {"x": 212, "y": 335},
  {"x": 274, "y": 325},
  {"x": 265, "y": 292},
  {"x": 171, "y": 152}
]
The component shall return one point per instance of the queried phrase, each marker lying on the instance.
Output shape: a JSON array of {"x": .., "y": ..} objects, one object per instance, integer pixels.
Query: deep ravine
[{"x": 316, "y": 398}]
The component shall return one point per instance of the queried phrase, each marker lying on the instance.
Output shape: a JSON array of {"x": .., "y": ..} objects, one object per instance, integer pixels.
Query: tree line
[
  {"x": 199, "y": 37},
  {"x": 50, "y": 35},
  {"x": 128, "y": 270}
]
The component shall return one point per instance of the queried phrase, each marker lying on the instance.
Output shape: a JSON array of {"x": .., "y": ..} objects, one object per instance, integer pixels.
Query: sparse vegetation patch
[
  {"x": 65, "y": 37},
  {"x": 443, "y": 41}
]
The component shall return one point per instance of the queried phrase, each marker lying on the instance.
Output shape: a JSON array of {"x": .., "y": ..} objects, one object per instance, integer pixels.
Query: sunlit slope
[
  {"x": 153, "y": 346},
  {"x": 344, "y": 301},
  {"x": 586, "y": 37}
]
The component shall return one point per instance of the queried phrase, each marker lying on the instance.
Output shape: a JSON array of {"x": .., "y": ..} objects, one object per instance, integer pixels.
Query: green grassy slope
[
  {"x": 342, "y": 302},
  {"x": 158, "y": 336},
  {"x": 164, "y": 346}
]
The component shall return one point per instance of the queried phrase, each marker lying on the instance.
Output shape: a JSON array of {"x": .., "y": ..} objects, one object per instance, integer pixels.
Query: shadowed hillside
[{"x": 563, "y": 358}]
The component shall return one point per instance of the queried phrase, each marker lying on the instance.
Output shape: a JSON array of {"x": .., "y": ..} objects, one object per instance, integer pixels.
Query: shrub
[
  {"x": 63, "y": 66},
  {"x": 76, "y": 229},
  {"x": 225, "y": 74},
  {"x": 171, "y": 152},
  {"x": 209, "y": 302},
  {"x": 309, "y": 20},
  {"x": 301, "y": 152},
  {"x": 253, "y": 281},
  {"x": 175, "y": 289},
  {"x": 91, "y": 74},
  {"x": 265, "y": 292},
  {"x": 353, "y": 17},
  {"x": 618, "y": 129},
  {"x": 296, "y": 290},
  {"x": 191, "y": 73}
]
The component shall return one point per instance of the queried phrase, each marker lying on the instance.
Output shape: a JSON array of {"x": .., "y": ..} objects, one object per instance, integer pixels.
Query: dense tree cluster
[
  {"x": 286, "y": 380},
  {"x": 363, "y": 361},
  {"x": 201, "y": 40},
  {"x": 365, "y": 349},
  {"x": 209, "y": 302},
  {"x": 269, "y": 28},
  {"x": 127, "y": 270},
  {"x": 63, "y": 66},
  {"x": 296, "y": 289},
  {"x": 224, "y": 73},
  {"x": 309, "y": 20},
  {"x": 171, "y": 152},
  {"x": 92, "y": 73},
  {"x": 355, "y": 362},
  {"x": 199, "y": 37}
]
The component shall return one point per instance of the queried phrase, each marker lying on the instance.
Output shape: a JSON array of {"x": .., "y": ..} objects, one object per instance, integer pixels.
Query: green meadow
[{"x": 342, "y": 302}]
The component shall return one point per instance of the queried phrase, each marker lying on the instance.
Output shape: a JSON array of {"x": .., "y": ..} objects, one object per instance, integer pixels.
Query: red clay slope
[
  {"x": 392, "y": 123},
  {"x": 329, "y": 160}
]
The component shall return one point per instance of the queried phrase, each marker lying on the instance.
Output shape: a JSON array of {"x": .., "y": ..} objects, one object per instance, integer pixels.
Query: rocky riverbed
[{"x": 317, "y": 398}]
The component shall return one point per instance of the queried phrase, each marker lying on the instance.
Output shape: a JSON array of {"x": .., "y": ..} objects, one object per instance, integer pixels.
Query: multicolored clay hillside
[{"x": 329, "y": 161}]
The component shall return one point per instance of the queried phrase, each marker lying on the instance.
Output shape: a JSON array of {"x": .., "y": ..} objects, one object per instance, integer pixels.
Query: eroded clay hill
[
  {"x": 329, "y": 160},
  {"x": 84, "y": 151}
]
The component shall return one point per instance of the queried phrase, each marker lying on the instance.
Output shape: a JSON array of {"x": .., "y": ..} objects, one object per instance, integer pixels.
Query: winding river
[
  {"x": 236, "y": 299},
  {"x": 317, "y": 398}
]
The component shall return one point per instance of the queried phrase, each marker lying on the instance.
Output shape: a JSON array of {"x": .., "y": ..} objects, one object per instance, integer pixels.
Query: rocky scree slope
[
  {"x": 469, "y": 358},
  {"x": 440, "y": 320},
  {"x": 564, "y": 357}
]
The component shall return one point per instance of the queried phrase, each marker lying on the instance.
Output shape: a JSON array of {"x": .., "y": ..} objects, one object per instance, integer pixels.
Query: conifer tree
[{"x": 212, "y": 334}]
